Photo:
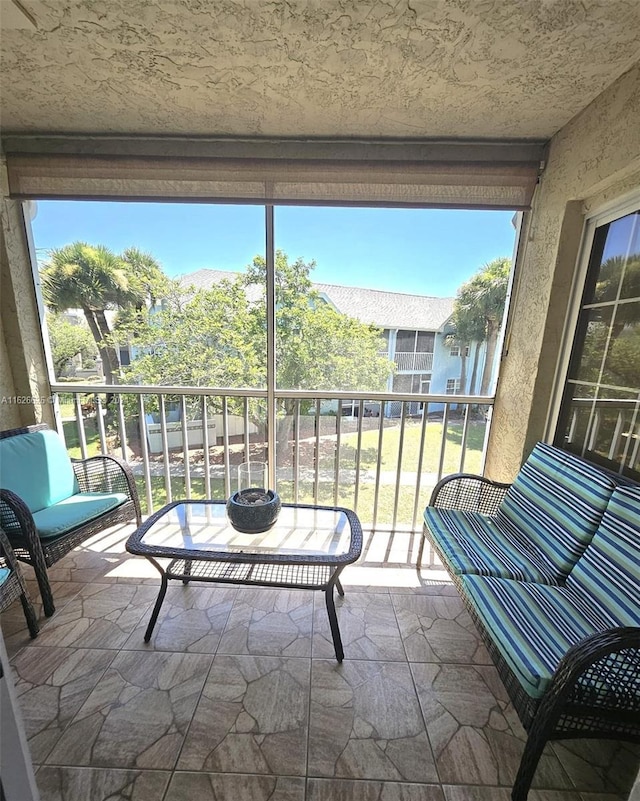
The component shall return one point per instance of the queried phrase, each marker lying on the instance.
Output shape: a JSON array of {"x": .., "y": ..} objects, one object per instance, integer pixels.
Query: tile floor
[{"x": 238, "y": 696}]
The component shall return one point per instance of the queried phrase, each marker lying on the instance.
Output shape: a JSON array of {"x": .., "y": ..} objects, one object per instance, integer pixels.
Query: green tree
[
  {"x": 479, "y": 308},
  {"x": 94, "y": 279},
  {"x": 317, "y": 347},
  {"x": 67, "y": 341},
  {"x": 622, "y": 366},
  {"x": 196, "y": 338},
  {"x": 218, "y": 337},
  {"x": 618, "y": 273}
]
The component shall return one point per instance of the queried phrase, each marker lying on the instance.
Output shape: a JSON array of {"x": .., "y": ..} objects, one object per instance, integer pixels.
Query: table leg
[
  {"x": 156, "y": 608},
  {"x": 333, "y": 622},
  {"x": 187, "y": 570}
]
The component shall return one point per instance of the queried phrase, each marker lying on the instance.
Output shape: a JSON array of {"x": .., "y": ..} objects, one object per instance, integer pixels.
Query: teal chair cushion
[
  {"x": 4, "y": 574},
  {"x": 534, "y": 625},
  {"x": 473, "y": 543},
  {"x": 556, "y": 503},
  {"x": 36, "y": 466},
  {"x": 75, "y": 511}
]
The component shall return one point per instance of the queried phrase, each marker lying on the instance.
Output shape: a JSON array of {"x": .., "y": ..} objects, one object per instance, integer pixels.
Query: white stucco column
[{"x": 25, "y": 392}]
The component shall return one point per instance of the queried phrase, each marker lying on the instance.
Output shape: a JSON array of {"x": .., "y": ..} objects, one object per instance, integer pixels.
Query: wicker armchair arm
[
  {"x": 17, "y": 519},
  {"x": 594, "y": 689},
  {"x": 20, "y": 528},
  {"x": 469, "y": 492},
  {"x": 107, "y": 474},
  {"x": 6, "y": 552},
  {"x": 603, "y": 671},
  {"x": 103, "y": 474}
]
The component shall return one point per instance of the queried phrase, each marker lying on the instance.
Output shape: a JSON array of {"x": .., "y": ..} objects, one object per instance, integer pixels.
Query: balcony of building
[{"x": 413, "y": 362}]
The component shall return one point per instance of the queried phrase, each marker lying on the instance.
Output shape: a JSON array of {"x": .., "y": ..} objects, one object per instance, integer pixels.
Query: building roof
[
  {"x": 389, "y": 309},
  {"x": 386, "y": 309}
]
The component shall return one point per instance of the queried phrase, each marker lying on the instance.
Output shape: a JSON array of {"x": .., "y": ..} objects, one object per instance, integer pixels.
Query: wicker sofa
[
  {"x": 549, "y": 569},
  {"x": 50, "y": 503}
]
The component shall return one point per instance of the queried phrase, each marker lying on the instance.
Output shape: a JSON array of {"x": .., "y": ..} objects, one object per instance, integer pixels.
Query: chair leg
[
  {"x": 39, "y": 565},
  {"x": 45, "y": 590},
  {"x": 30, "y": 615}
]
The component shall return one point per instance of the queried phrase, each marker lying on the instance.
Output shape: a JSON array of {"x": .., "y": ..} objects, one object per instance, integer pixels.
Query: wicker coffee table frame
[{"x": 293, "y": 571}]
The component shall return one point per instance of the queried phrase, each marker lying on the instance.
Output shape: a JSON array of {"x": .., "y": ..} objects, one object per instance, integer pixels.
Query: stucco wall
[
  {"x": 9, "y": 414},
  {"x": 24, "y": 385},
  {"x": 593, "y": 159}
]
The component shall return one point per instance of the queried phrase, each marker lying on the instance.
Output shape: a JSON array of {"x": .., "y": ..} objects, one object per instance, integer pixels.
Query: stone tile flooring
[{"x": 238, "y": 696}]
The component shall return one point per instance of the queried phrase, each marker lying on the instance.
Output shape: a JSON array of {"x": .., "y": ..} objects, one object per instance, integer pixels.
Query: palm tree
[
  {"x": 147, "y": 280},
  {"x": 478, "y": 312},
  {"x": 94, "y": 279}
]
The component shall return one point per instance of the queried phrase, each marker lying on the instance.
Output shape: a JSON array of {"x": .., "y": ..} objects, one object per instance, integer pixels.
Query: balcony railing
[
  {"x": 414, "y": 362},
  {"x": 608, "y": 428},
  {"x": 186, "y": 442}
]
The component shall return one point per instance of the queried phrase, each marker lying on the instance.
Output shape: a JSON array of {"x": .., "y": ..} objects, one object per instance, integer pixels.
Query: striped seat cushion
[
  {"x": 533, "y": 625},
  {"x": 472, "y": 543},
  {"x": 609, "y": 569},
  {"x": 557, "y": 502}
]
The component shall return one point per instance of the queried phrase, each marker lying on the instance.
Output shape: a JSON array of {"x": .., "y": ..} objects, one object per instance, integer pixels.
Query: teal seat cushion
[
  {"x": 477, "y": 544},
  {"x": 36, "y": 467},
  {"x": 609, "y": 569},
  {"x": 556, "y": 503},
  {"x": 75, "y": 511},
  {"x": 4, "y": 574},
  {"x": 533, "y": 625}
]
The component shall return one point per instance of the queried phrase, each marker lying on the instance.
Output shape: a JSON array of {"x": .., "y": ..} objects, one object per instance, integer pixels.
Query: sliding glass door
[{"x": 600, "y": 411}]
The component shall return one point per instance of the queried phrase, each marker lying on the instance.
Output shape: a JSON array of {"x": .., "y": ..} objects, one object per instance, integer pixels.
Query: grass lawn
[
  {"x": 73, "y": 440},
  {"x": 411, "y": 447}
]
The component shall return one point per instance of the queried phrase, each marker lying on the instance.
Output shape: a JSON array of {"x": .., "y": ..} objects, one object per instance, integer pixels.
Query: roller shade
[{"x": 443, "y": 183}]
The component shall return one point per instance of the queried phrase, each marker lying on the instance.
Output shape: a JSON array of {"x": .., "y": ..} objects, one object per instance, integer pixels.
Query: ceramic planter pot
[{"x": 253, "y": 510}]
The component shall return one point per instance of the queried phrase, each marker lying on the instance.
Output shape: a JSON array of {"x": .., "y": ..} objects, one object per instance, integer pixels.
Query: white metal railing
[
  {"x": 186, "y": 442},
  {"x": 414, "y": 362},
  {"x": 608, "y": 426}
]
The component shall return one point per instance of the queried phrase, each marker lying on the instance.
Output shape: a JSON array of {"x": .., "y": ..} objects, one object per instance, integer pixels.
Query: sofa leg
[
  {"x": 420, "y": 551},
  {"x": 528, "y": 764}
]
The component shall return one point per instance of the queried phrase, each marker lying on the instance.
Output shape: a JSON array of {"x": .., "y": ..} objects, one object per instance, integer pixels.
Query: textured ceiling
[{"x": 320, "y": 68}]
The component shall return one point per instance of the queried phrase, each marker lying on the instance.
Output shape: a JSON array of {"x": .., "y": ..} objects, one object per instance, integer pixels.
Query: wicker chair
[
  {"x": 12, "y": 584},
  {"x": 594, "y": 691},
  {"x": 96, "y": 474}
]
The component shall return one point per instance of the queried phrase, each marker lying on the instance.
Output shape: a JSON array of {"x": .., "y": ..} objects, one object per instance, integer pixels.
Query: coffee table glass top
[{"x": 204, "y": 528}]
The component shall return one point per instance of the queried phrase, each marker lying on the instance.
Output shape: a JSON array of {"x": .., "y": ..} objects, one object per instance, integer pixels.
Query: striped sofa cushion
[
  {"x": 477, "y": 544},
  {"x": 557, "y": 502},
  {"x": 609, "y": 570},
  {"x": 533, "y": 625}
]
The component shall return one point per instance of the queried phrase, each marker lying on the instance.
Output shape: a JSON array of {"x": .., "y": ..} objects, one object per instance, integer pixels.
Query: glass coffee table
[{"x": 307, "y": 548}]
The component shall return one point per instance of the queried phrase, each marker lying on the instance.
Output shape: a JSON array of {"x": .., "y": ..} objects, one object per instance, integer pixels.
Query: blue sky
[{"x": 422, "y": 251}]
